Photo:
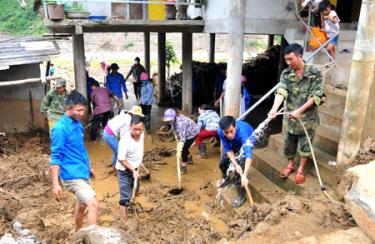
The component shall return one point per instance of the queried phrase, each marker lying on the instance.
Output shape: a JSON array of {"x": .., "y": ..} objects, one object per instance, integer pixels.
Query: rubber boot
[
  {"x": 202, "y": 151},
  {"x": 241, "y": 197},
  {"x": 190, "y": 159},
  {"x": 148, "y": 124}
]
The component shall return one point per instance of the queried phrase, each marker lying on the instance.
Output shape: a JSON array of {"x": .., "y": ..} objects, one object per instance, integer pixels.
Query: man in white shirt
[{"x": 129, "y": 158}]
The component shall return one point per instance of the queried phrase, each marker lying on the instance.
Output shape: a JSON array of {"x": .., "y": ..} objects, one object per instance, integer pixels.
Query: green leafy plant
[
  {"x": 170, "y": 56},
  {"x": 74, "y": 7},
  {"x": 15, "y": 20}
]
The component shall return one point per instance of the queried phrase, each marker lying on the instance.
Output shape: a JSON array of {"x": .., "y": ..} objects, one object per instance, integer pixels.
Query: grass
[{"x": 15, "y": 20}]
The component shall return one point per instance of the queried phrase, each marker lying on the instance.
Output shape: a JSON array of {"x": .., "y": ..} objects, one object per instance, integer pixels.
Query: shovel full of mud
[{"x": 179, "y": 189}]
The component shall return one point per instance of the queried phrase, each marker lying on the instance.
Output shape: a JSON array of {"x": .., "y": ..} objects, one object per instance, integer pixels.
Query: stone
[
  {"x": 101, "y": 235},
  {"x": 357, "y": 190}
]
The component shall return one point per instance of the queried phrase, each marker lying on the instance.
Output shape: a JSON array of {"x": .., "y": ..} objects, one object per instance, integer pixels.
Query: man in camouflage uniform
[
  {"x": 53, "y": 105},
  {"x": 301, "y": 87}
]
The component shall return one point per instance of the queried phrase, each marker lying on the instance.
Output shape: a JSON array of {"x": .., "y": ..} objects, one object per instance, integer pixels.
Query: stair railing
[{"x": 329, "y": 65}]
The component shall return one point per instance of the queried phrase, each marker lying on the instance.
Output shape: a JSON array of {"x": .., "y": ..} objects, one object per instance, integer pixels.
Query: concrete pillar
[
  {"x": 236, "y": 25},
  {"x": 360, "y": 82},
  {"x": 271, "y": 39},
  {"x": 161, "y": 66},
  {"x": 187, "y": 72},
  {"x": 211, "y": 49},
  {"x": 79, "y": 61},
  {"x": 147, "y": 51}
]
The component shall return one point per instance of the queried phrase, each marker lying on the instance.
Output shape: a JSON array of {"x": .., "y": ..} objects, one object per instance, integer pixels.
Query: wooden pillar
[
  {"x": 79, "y": 61},
  {"x": 211, "y": 50},
  {"x": 271, "y": 39},
  {"x": 161, "y": 66},
  {"x": 360, "y": 82},
  {"x": 147, "y": 51},
  {"x": 187, "y": 72},
  {"x": 236, "y": 26}
]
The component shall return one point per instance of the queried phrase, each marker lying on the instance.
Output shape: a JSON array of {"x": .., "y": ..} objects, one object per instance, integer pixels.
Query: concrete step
[
  {"x": 262, "y": 190},
  {"x": 335, "y": 98},
  {"x": 327, "y": 173},
  {"x": 270, "y": 165},
  {"x": 331, "y": 117},
  {"x": 347, "y": 35},
  {"x": 327, "y": 139}
]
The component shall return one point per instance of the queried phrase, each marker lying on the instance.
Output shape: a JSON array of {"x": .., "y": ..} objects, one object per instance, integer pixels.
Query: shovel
[
  {"x": 135, "y": 207},
  {"x": 176, "y": 191},
  {"x": 179, "y": 189},
  {"x": 147, "y": 176},
  {"x": 251, "y": 200}
]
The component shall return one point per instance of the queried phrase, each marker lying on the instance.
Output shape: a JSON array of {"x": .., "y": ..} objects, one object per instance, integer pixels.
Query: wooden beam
[{"x": 26, "y": 81}]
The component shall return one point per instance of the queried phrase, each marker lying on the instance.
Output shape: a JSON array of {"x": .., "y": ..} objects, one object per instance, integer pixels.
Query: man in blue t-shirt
[
  {"x": 115, "y": 83},
  {"x": 70, "y": 161},
  {"x": 235, "y": 138}
]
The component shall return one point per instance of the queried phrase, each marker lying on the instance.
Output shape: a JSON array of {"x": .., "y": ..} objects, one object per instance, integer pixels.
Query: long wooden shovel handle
[
  {"x": 135, "y": 186},
  {"x": 178, "y": 173},
  {"x": 178, "y": 166},
  {"x": 251, "y": 200}
]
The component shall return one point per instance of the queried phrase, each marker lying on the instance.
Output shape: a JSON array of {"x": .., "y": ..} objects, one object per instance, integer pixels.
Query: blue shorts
[{"x": 335, "y": 40}]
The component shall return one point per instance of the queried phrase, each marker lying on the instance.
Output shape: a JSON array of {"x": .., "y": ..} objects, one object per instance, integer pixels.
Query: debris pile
[
  {"x": 153, "y": 158},
  {"x": 367, "y": 153},
  {"x": 25, "y": 191}
]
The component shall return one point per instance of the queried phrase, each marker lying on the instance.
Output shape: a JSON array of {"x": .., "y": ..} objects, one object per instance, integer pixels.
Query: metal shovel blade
[{"x": 176, "y": 191}]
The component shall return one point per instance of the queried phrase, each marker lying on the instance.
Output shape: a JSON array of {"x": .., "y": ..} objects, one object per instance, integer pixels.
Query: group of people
[
  {"x": 300, "y": 87},
  {"x": 325, "y": 17}
]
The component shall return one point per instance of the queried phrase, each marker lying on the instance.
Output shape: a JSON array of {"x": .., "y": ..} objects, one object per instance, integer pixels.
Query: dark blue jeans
[{"x": 126, "y": 183}]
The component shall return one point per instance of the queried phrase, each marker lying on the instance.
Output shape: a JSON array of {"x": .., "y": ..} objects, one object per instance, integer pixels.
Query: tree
[{"x": 170, "y": 56}]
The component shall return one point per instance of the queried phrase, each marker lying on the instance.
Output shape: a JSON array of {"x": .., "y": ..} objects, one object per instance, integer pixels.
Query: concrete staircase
[{"x": 269, "y": 161}]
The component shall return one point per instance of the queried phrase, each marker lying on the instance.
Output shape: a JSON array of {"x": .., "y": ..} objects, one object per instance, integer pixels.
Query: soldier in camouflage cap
[
  {"x": 53, "y": 105},
  {"x": 301, "y": 87}
]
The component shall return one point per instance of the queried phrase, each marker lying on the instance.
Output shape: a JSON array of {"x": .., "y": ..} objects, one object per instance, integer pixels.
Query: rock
[
  {"x": 369, "y": 145},
  {"x": 352, "y": 235},
  {"x": 357, "y": 190},
  {"x": 100, "y": 235}
]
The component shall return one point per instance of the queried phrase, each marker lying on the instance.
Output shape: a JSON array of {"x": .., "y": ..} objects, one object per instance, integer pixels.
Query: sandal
[
  {"x": 285, "y": 172},
  {"x": 300, "y": 178}
]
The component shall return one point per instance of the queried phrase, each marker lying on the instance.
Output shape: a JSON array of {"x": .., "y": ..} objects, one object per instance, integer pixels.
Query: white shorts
[{"x": 81, "y": 188}]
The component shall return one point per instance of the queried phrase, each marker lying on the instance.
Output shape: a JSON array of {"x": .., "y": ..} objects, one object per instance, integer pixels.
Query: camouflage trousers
[{"x": 291, "y": 142}]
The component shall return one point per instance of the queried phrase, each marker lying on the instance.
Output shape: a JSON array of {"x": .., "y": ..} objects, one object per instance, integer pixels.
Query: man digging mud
[
  {"x": 130, "y": 156},
  {"x": 70, "y": 161},
  {"x": 301, "y": 87},
  {"x": 234, "y": 136}
]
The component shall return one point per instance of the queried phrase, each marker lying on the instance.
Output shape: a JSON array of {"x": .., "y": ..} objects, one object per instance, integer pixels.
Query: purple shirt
[
  {"x": 100, "y": 98},
  {"x": 185, "y": 128}
]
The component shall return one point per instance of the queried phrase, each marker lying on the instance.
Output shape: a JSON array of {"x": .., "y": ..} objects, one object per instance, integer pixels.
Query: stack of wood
[{"x": 261, "y": 73}]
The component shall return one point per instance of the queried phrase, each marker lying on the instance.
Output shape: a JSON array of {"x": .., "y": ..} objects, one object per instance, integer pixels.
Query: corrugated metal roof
[{"x": 18, "y": 51}]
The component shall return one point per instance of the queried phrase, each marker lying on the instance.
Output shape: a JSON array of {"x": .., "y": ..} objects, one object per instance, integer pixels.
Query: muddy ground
[{"x": 194, "y": 216}]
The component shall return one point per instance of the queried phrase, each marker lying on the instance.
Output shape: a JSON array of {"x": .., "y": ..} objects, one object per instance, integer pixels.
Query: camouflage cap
[{"x": 60, "y": 83}]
